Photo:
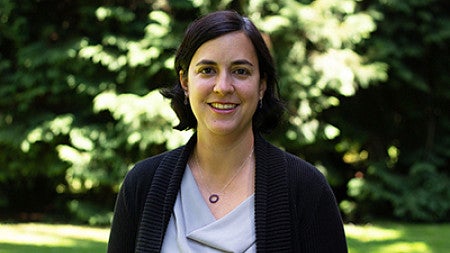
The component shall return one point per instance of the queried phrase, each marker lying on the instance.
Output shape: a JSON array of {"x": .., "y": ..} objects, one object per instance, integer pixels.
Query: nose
[{"x": 224, "y": 84}]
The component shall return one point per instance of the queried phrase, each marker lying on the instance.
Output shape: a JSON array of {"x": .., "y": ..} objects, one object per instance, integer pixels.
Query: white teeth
[{"x": 223, "y": 106}]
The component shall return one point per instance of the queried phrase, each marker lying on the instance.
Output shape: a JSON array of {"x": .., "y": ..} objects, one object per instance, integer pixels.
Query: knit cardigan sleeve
[
  {"x": 317, "y": 225},
  {"x": 295, "y": 209},
  {"x": 129, "y": 205}
]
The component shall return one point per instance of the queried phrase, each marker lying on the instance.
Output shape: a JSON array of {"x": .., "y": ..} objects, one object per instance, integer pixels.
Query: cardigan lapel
[
  {"x": 161, "y": 198},
  {"x": 272, "y": 216},
  {"x": 272, "y": 212}
]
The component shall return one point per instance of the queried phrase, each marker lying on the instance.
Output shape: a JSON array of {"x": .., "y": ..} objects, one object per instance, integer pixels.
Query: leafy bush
[{"x": 365, "y": 82}]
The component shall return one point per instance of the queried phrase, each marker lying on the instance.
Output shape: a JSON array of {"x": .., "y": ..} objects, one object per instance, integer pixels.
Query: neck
[{"x": 221, "y": 156}]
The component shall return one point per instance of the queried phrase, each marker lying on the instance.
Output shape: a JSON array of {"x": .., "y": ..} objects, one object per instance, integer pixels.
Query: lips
[{"x": 223, "y": 106}]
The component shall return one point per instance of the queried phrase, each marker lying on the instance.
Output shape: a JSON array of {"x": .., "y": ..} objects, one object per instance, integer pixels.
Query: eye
[
  {"x": 206, "y": 71},
  {"x": 242, "y": 72}
]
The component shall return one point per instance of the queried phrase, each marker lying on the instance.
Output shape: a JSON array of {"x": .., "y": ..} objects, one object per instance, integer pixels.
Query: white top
[{"x": 193, "y": 228}]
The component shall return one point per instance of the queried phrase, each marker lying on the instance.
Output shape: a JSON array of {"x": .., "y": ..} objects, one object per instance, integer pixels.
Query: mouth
[{"x": 223, "y": 106}]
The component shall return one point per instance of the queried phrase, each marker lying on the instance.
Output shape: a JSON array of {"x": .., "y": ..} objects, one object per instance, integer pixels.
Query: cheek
[
  {"x": 250, "y": 89},
  {"x": 199, "y": 88}
]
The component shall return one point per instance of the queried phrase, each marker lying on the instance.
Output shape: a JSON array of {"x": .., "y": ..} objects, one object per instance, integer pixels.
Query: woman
[{"x": 227, "y": 189}]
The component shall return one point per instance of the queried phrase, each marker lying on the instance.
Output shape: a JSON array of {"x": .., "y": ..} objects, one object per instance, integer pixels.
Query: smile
[{"x": 221, "y": 106}]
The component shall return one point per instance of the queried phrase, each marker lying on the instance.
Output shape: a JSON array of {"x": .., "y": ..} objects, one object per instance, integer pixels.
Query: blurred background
[{"x": 366, "y": 84}]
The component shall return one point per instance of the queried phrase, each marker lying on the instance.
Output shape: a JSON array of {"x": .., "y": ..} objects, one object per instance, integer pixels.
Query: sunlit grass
[
  {"x": 370, "y": 233},
  {"x": 398, "y": 238},
  {"x": 379, "y": 237},
  {"x": 35, "y": 237}
]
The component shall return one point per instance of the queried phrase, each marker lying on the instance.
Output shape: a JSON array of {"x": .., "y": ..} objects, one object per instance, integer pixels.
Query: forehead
[{"x": 227, "y": 48}]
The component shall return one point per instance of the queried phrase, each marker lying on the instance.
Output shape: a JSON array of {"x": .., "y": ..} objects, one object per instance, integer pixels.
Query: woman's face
[{"x": 224, "y": 84}]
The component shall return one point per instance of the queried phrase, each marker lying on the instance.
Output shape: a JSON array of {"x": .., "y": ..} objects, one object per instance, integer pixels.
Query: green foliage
[
  {"x": 93, "y": 214},
  {"x": 421, "y": 194},
  {"x": 54, "y": 67},
  {"x": 402, "y": 125},
  {"x": 365, "y": 82},
  {"x": 315, "y": 50}
]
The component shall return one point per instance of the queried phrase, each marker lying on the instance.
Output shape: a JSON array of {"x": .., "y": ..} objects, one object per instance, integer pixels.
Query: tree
[
  {"x": 60, "y": 61},
  {"x": 395, "y": 136},
  {"x": 80, "y": 104}
]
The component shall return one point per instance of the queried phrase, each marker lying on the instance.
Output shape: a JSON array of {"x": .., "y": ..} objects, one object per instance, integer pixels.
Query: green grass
[
  {"x": 40, "y": 238},
  {"x": 398, "y": 238},
  {"x": 379, "y": 237}
]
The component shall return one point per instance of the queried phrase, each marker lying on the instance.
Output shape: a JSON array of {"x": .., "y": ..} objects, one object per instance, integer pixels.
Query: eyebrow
[{"x": 237, "y": 62}]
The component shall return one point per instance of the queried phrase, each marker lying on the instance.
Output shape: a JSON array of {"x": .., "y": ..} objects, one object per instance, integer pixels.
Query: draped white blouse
[{"x": 193, "y": 228}]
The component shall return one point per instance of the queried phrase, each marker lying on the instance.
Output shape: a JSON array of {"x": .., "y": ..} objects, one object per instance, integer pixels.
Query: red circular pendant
[{"x": 213, "y": 198}]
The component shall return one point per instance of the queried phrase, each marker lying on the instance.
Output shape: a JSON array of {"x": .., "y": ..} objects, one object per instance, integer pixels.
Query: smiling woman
[
  {"x": 224, "y": 86},
  {"x": 227, "y": 189}
]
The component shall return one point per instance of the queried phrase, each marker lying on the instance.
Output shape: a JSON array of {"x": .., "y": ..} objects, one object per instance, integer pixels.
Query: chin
[{"x": 227, "y": 129}]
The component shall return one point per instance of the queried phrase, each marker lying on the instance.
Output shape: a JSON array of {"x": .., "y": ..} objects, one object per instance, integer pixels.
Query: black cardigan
[{"x": 295, "y": 209}]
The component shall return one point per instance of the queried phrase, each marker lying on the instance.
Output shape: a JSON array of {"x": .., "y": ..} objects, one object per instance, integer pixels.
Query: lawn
[
  {"x": 372, "y": 238},
  {"x": 40, "y": 238},
  {"x": 395, "y": 237}
]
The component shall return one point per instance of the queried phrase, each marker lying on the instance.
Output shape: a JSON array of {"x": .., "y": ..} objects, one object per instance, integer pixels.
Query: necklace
[{"x": 214, "y": 197}]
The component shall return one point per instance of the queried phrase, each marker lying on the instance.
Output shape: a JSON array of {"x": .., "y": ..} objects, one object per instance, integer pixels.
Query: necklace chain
[{"x": 214, "y": 197}]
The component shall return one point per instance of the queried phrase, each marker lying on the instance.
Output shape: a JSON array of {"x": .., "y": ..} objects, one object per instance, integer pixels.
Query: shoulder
[
  {"x": 304, "y": 180},
  {"x": 297, "y": 168},
  {"x": 146, "y": 168},
  {"x": 140, "y": 177},
  {"x": 303, "y": 171},
  {"x": 308, "y": 187}
]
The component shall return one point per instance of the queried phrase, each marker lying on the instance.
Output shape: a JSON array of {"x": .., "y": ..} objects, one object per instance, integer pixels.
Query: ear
[
  {"x": 262, "y": 87},
  {"x": 183, "y": 81}
]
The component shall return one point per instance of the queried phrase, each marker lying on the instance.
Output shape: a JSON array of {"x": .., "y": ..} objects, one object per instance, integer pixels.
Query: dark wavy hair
[{"x": 209, "y": 27}]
